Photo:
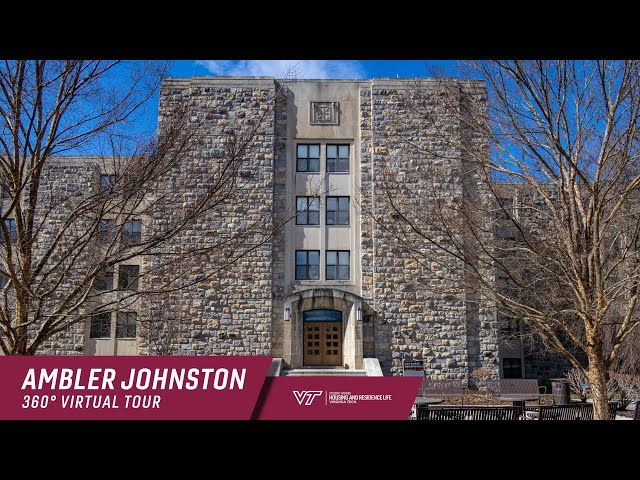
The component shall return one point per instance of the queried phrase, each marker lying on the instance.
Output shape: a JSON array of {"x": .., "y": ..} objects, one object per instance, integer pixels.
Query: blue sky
[{"x": 360, "y": 69}]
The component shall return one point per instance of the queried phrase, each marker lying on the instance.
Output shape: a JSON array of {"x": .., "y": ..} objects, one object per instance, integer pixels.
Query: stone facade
[
  {"x": 545, "y": 364},
  {"x": 77, "y": 176},
  {"x": 65, "y": 185},
  {"x": 393, "y": 308},
  {"x": 402, "y": 318},
  {"x": 230, "y": 314},
  {"x": 416, "y": 313}
]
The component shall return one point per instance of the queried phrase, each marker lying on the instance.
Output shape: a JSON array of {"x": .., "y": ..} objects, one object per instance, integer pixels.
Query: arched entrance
[
  {"x": 322, "y": 344},
  {"x": 329, "y": 316}
]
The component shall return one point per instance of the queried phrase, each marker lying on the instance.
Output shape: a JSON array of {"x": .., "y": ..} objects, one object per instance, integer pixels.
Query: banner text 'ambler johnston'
[{"x": 139, "y": 379}]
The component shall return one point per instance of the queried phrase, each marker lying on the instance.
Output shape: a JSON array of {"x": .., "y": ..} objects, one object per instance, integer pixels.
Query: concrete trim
[
  {"x": 81, "y": 160},
  {"x": 233, "y": 81},
  {"x": 275, "y": 367},
  {"x": 372, "y": 367},
  {"x": 366, "y": 83},
  {"x": 322, "y": 292},
  {"x": 403, "y": 83},
  {"x": 347, "y": 303},
  {"x": 202, "y": 81}
]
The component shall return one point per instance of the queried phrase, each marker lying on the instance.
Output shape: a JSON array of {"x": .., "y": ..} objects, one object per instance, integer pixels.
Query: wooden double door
[{"x": 322, "y": 343}]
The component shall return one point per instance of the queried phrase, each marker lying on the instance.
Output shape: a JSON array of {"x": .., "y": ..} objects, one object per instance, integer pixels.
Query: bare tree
[
  {"x": 547, "y": 227},
  {"x": 578, "y": 383},
  {"x": 66, "y": 223}
]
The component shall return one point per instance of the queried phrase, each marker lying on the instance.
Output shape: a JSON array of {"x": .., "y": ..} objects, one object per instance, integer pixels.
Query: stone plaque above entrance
[{"x": 324, "y": 113}]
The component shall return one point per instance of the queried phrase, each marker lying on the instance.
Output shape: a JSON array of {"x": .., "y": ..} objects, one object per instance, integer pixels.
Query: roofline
[{"x": 266, "y": 82}]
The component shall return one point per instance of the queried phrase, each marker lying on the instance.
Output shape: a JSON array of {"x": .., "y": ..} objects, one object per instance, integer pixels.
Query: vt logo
[{"x": 306, "y": 396}]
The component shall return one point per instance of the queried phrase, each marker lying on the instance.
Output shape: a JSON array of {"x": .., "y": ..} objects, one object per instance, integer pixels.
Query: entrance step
[{"x": 323, "y": 372}]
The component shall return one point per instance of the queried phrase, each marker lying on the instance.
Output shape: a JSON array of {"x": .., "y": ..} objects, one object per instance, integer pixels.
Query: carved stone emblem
[{"x": 324, "y": 113}]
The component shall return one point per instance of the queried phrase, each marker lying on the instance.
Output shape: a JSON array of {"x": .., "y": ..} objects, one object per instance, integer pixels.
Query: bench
[
  {"x": 437, "y": 388},
  {"x": 577, "y": 411},
  {"x": 467, "y": 413}
]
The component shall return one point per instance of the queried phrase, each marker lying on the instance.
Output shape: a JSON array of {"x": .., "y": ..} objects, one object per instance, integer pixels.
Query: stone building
[{"x": 330, "y": 289}]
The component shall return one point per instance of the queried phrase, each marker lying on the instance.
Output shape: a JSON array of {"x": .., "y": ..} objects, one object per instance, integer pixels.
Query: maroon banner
[
  {"x": 337, "y": 398},
  {"x": 167, "y": 388}
]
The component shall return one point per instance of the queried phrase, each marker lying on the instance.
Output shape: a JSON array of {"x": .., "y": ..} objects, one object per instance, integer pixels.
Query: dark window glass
[
  {"x": 132, "y": 184},
  {"x": 322, "y": 315},
  {"x": 307, "y": 210},
  {"x": 107, "y": 183},
  {"x": 337, "y": 265},
  {"x": 128, "y": 277},
  {"x": 100, "y": 325},
  {"x": 308, "y": 157},
  {"x": 337, "y": 210},
  {"x": 10, "y": 225},
  {"x": 132, "y": 232},
  {"x": 6, "y": 191},
  {"x": 126, "y": 325},
  {"x": 307, "y": 264},
  {"x": 337, "y": 158},
  {"x": 511, "y": 368},
  {"x": 106, "y": 229},
  {"x": 104, "y": 279},
  {"x": 510, "y": 327},
  {"x": 504, "y": 207}
]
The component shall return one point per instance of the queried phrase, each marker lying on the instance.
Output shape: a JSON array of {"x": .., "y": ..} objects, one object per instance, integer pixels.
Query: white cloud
[{"x": 282, "y": 68}]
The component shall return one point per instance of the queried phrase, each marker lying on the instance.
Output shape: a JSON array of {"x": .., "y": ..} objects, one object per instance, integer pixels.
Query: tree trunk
[{"x": 598, "y": 379}]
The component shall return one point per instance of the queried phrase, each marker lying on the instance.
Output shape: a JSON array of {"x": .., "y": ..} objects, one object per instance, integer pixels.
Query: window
[
  {"x": 126, "y": 325},
  {"x": 132, "y": 232},
  {"x": 105, "y": 230},
  {"x": 322, "y": 315},
  {"x": 307, "y": 264},
  {"x": 504, "y": 206},
  {"x": 337, "y": 265},
  {"x": 511, "y": 368},
  {"x": 509, "y": 327},
  {"x": 308, "y": 158},
  {"x": 10, "y": 225},
  {"x": 337, "y": 210},
  {"x": 100, "y": 325},
  {"x": 104, "y": 279},
  {"x": 337, "y": 158},
  {"x": 128, "y": 277},
  {"x": 507, "y": 287},
  {"x": 107, "y": 184},
  {"x": 307, "y": 210},
  {"x": 132, "y": 183},
  {"x": 4, "y": 186}
]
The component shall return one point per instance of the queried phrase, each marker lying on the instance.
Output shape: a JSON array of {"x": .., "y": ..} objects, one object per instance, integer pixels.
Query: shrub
[{"x": 480, "y": 377}]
